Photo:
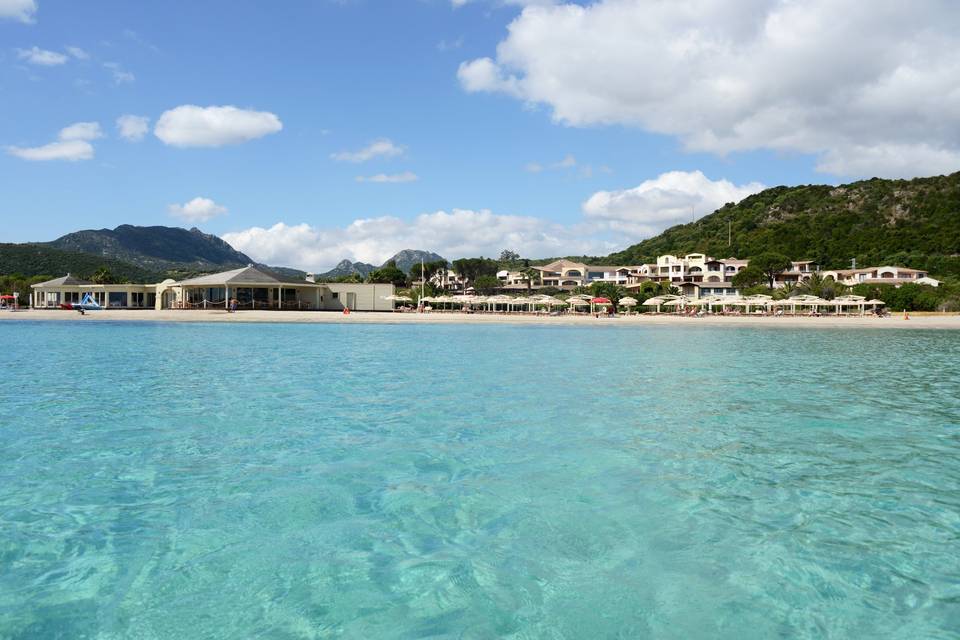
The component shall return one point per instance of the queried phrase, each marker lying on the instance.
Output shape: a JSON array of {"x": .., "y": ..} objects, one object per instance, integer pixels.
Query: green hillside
[
  {"x": 913, "y": 223},
  {"x": 43, "y": 260}
]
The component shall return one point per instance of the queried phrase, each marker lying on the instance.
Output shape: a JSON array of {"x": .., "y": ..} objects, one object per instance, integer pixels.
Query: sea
[{"x": 297, "y": 481}]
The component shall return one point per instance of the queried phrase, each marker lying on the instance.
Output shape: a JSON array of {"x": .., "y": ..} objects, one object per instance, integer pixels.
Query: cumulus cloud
[
  {"x": 21, "y": 10},
  {"x": 406, "y": 176},
  {"x": 663, "y": 202},
  {"x": 42, "y": 57},
  {"x": 382, "y": 148},
  {"x": 72, "y": 144},
  {"x": 81, "y": 131},
  {"x": 197, "y": 210},
  {"x": 856, "y": 84},
  {"x": 193, "y": 126},
  {"x": 453, "y": 234},
  {"x": 133, "y": 128}
]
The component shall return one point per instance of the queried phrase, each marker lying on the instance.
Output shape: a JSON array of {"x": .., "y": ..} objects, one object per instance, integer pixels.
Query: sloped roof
[
  {"x": 244, "y": 276},
  {"x": 67, "y": 280},
  {"x": 559, "y": 265}
]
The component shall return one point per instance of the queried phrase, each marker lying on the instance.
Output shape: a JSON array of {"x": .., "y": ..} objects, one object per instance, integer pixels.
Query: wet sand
[{"x": 895, "y": 321}]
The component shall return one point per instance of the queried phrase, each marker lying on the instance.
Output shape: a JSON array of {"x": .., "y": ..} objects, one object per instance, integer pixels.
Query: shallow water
[{"x": 314, "y": 481}]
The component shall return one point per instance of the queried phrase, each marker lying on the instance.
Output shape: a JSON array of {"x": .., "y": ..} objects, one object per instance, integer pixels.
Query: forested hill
[
  {"x": 43, "y": 260},
  {"x": 908, "y": 222},
  {"x": 156, "y": 248}
]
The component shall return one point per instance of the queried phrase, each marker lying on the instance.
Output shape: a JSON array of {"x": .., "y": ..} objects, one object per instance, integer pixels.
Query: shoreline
[{"x": 895, "y": 321}]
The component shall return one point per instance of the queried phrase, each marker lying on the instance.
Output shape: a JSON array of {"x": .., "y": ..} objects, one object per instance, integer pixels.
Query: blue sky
[{"x": 563, "y": 139}]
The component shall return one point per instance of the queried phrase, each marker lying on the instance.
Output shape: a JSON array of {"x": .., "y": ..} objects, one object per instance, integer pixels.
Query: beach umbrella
[
  {"x": 627, "y": 302},
  {"x": 601, "y": 302}
]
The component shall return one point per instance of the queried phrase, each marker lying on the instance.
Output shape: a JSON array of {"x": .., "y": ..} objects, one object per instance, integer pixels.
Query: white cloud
[
  {"x": 78, "y": 53},
  {"x": 42, "y": 57},
  {"x": 667, "y": 200},
  {"x": 453, "y": 234},
  {"x": 72, "y": 144},
  {"x": 133, "y": 128},
  {"x": 855, "y": 83},
  {"x": 120, "y": 75},
  {"x": 197, "y": 210},
  {"x": 382, "y": 148},
  {"x": 568, "y": 162},
  {"x": 21, "y": 10},
  {"x": 81, "y": 131},
  {"x": 612, "y": 220},
  {"x": 65, "y": 150},
  {"x": 193, "y": 126},
  {"x": 406, "y": 176},
  {"x": 891, "y": 160}
]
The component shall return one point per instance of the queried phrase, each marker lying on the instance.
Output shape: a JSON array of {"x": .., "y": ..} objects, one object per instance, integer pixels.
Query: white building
[{"x": 250, "y": 286}]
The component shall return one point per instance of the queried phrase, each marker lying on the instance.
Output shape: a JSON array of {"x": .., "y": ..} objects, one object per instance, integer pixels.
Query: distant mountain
[
  {"x": 409, "y": 257},
  {"x": 37, "y": 259},
  {"x": 346, "y": 268},
  {"x": 913, "y": 223},
  {"x": 404, "y": 260},
  {"x": 156, "y": 248},
  {"x": 285, "y": 273}
]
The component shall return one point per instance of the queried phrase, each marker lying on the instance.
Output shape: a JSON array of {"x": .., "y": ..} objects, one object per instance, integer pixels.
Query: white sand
[{"x": 896, "y": 321}]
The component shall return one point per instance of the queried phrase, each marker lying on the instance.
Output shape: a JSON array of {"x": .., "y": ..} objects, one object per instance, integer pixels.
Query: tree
[
  {"x": 747, "y": 277},
  {"x": 472, "y": 268},
  {"x": 103, "y": 276},
  {"x": 388, "y": 274},
  {"x": 430, "y": 270},
  {"x": 609, "y": 290},
  {"x": 529, "y": 275},
  {"x": 486, "y": 284},
  {"x": 509, "y": 256},
  {"x": 816, "y": 285},
  {"x": 770, "y": 264}
]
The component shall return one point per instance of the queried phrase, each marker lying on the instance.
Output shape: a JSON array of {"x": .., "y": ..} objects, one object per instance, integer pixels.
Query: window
[{"x": 336, "y": 295}]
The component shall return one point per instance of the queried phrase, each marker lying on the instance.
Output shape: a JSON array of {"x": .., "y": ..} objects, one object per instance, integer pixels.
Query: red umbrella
[
  {"x": 8, "y": 297},
  {"x": 600, "y": 300}
]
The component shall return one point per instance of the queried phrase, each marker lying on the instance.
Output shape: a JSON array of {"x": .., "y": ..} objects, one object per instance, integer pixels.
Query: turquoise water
[{"x": 297, "y": 481}]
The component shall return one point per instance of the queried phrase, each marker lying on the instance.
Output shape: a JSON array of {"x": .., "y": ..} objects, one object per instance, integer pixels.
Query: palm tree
[{"x": 530, "y": 274}]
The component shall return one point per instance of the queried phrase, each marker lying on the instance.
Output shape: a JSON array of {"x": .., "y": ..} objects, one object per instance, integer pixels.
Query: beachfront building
[
  {"x": 799, "y": 272},
  {"x": 694, "y": 267},
  {"x": 446, "y": 279},
  {"x": 69, "y": 289},
  {"x": 708, "y": 289},
  {"x": 567, "y": 274},
  {"x": 253, "y": 288},
  {"x": 896, "y": 276}
]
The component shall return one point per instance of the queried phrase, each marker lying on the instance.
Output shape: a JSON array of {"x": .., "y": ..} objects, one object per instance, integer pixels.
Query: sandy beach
[{"x": 895, "y": 321}]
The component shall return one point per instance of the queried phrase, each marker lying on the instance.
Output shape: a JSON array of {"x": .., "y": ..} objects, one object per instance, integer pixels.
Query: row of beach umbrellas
[
  {"x": 519, "y": 302},
  {"x": 764, "y": 301}
]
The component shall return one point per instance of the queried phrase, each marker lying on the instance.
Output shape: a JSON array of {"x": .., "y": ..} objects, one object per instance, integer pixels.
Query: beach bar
[{"x": 251, "y": 287}]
